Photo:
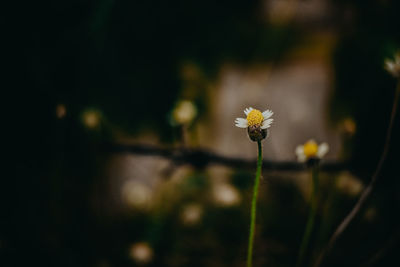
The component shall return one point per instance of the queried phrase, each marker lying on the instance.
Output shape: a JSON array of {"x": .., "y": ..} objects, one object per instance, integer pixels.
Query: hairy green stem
[
  {"x": 311, "y": 217},
  {"x": 254, "y": 206}
]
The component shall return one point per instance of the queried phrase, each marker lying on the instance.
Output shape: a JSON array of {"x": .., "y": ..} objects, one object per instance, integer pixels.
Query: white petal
[
  {"x": 241, "y": 123},
  {"x": 241, "y": 120},
  {"x": 300, "y": 153},
  {"x": 299, "y": 150},
  {"x": 267, "y": 123},
  {"x": 267, "y": 114},
  {"x": 322, "y": 150},
  {"x": 301, "y": 158},
  {"x": 247, "y": 110}
]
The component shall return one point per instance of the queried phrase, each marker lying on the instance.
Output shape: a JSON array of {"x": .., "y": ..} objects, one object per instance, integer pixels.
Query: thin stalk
[
  {"x": 254, "y": 206},
  {"x": 311, "y": 216},
  {"x": 367, "y": 192}
]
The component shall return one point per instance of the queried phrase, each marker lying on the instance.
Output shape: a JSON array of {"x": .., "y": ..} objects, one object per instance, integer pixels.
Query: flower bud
[{"x": 256, "y": 133}]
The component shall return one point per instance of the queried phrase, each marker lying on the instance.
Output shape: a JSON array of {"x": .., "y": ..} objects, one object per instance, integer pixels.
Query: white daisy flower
[
  {"x": 311, "y": 150},
  {"x": 255, "y": 118},
  {"x": 393, "y": 66},
  {"x": 256, "y": 122}
]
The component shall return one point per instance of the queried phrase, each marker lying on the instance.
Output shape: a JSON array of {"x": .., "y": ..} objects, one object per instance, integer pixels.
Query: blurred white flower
[
  {"x": 191, "y": 214},
  {"x": 226, "y": 195},
  {"x": 141, "y": 253},
  {"x": 393, "y": 66},
  {"x": 184, "y": 112},
  {"x": 136, "y": 195},
  {"x": 255, "y": 118},
  {"x": 311, "y": 150}
]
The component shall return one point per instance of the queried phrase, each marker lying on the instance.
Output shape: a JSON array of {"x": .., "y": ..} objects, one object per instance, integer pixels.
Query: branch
[{"x": 201, "y": 158}]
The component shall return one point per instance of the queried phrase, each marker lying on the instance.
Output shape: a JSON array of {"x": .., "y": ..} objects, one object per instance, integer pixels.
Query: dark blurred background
[{"x": 82, "y": 76}]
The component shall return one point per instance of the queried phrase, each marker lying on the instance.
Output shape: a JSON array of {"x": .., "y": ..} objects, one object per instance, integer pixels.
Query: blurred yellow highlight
[
  {"x": 184, "y": 112},
  {"x": 349, "y": 184},
  {"x": 141, "y": 253},
  {"x": 91, "y": 118}
]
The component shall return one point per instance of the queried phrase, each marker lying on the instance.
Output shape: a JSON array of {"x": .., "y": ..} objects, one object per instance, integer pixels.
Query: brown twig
[
  {"x": 201, "y": 158},
  {"x": 344, "y": 224}
]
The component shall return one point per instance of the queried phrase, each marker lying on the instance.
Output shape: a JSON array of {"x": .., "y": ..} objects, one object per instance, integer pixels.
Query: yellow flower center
[
  {"x": 310, "y": 149},
  {"x": 254, "y": 117}
]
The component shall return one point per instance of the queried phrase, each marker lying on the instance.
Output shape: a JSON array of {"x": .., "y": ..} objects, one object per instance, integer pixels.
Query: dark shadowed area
[{"x": 121, "y": 147}]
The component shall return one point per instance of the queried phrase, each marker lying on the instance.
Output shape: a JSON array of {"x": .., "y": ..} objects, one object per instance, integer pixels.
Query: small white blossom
[
  {"x": 255, "y": 118},
  {"x": 256, "y": 122},
  {"x": 311, "y": 150}
]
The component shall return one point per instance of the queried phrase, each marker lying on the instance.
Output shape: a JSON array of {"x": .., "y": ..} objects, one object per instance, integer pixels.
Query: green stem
[
  {"x": 254, "y": 206},
  {"x": 311, "y": 217}
]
